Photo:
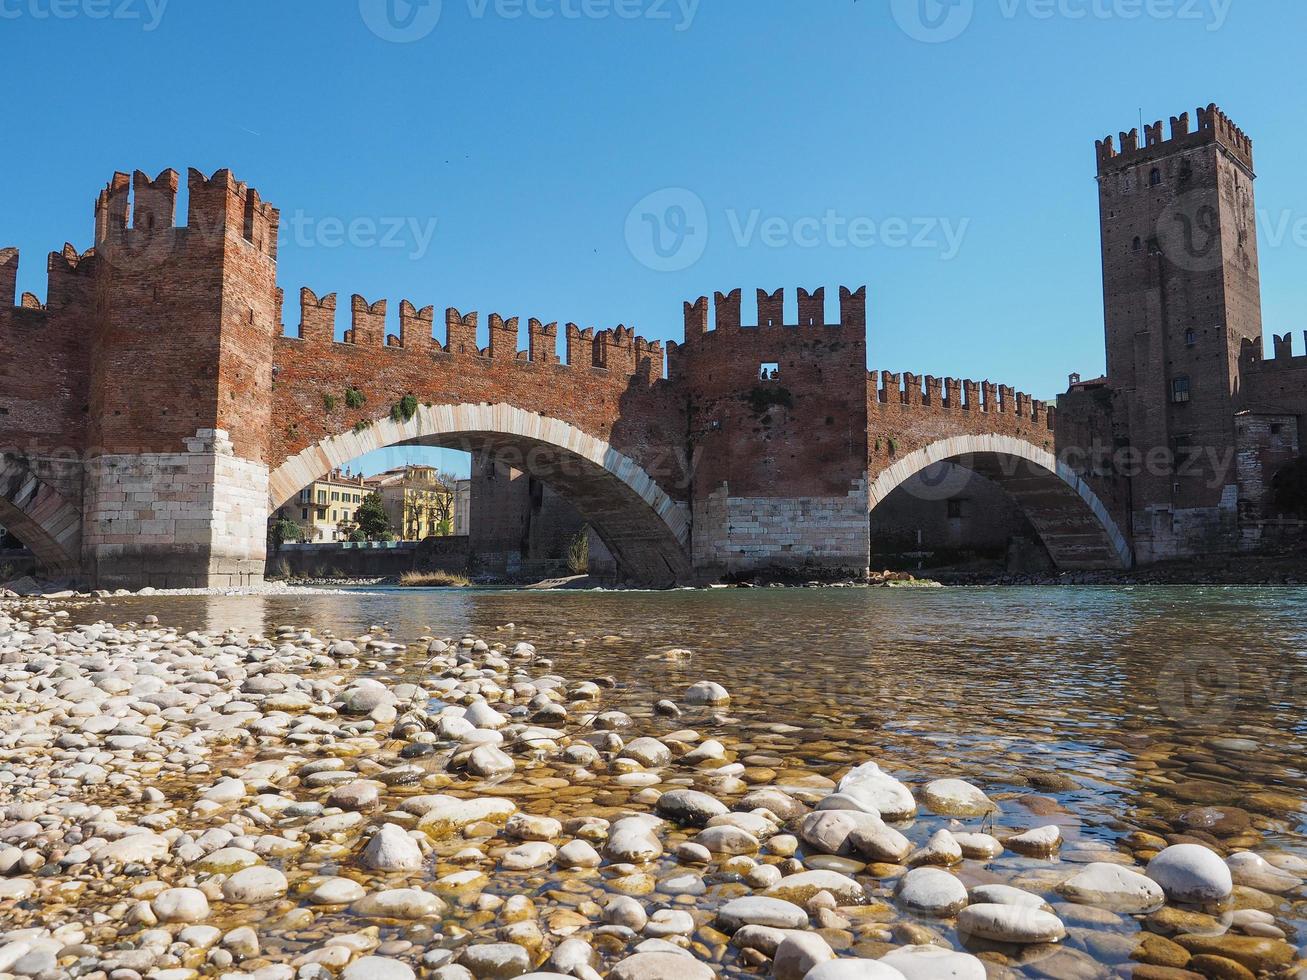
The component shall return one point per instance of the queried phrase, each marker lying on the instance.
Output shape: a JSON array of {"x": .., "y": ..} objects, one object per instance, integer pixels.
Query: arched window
[
  {"x": 1137, "y": 245},
  {"x": 1155, "y": 177}
]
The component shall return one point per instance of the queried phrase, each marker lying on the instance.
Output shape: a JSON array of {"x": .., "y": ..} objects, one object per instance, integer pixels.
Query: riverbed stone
[
  {"x": 688, "y": 806},
  {"x": 1191, "y": 874},
  {"x": 931, "y": 891},
  {"x": 956, "y": 798},
  {"x": 867, "y": 788},
  {"x": 1113, "y": 887},
  {"x": 181, "y": 905},
  {"x": 934, "y": 963},
  {"x": 1010, "y": 924},
  {"x": 392, "y": 849},
  {"x": 378, "y": 968},
  {"x": 798, "y": 953},
  {"x": 253, "y": 886},
  {"x": 759, "y": 910},
  {"x": 661, "y": 966}
]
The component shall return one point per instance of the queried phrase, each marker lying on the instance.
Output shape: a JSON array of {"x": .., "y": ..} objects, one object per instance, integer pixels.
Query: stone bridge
[{"x": 155, "y": 409}]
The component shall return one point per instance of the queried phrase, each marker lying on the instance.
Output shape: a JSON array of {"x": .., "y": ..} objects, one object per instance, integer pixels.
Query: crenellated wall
[
  {"x": 610, "y": 386},
  {"x": 161, "y": 368}
]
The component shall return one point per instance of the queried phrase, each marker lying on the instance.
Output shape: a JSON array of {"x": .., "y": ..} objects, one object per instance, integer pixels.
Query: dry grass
[{"x": 427, "y": 579}]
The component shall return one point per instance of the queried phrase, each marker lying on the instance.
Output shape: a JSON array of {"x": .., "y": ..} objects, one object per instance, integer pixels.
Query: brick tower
[
  {"x": 1181, "y": 294},
  {"x": 181, "y": 378},
  {"x": 777, "y": 434}
]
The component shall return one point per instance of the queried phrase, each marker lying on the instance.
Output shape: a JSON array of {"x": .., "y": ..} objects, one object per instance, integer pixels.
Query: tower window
[
  {"x": 1155, "y": 177},
  {"x": 955, "y": 510},
  {"x": 1137, "y": 245},
  {"x": 769, "y": 371},
  {"x": 1190, "y": 338},
  {"x": 1180, "y": 389}
]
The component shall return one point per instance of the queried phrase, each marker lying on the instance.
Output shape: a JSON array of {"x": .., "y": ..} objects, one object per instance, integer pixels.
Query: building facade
[
  {"x": 418, "y": 502},
  {"x": 324, "y": 510}
]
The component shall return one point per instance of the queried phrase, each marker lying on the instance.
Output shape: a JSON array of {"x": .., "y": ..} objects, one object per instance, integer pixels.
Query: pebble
[{"x": 1191, "y": 874}]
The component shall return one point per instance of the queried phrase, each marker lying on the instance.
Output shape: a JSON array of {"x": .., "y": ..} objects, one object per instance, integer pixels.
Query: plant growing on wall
[
  {"x": 329, "y": 402},
  {"x": 355, "y": 398},
  {"x": 362, "y": 426},
  {"x": 404, "y": 409}
]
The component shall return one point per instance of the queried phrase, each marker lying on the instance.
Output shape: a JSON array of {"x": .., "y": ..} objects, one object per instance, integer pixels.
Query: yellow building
[
  {"x": 324, "y": 510},
  {"x": 417, "y": 501}
]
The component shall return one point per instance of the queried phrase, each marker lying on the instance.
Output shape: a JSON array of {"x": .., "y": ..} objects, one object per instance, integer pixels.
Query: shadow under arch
[
  {"x": 646, "y": 530},
  {"x": 1076, "y": 528},
  {"x": 40, "y": 517}
]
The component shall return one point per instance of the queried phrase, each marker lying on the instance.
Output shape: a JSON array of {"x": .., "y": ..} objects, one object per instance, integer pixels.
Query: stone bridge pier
[{"x": 155, "y": 409}]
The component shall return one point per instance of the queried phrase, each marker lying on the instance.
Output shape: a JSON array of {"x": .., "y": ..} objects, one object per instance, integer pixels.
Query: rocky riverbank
[{"x": 295, "y": 805}]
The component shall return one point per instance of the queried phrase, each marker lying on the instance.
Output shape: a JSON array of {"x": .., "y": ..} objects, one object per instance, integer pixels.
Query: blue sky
[{"x": 493, "y": 159}]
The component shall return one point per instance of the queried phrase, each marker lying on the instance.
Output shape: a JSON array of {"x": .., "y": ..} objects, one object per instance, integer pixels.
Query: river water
[{"x": 1116, "y": 713}]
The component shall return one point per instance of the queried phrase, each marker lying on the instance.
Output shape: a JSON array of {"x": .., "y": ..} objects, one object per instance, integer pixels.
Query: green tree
[
  {"x": 371, "y": 518},
  {"x": 284, "y": 530}
]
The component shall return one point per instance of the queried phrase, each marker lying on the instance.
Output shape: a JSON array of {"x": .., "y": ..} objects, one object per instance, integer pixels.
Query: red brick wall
[
  {"x": 618, "y": 395},
  {"x": 802, "y": 434}
]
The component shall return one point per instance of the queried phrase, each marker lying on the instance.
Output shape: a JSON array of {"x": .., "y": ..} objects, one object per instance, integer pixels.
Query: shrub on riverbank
[{"x": 428, "y": 579}]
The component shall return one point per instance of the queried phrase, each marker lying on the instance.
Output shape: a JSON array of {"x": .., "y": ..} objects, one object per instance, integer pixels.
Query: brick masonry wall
[
  {"x": 787, "y": 458},
  {"x": 628, "y": 405},
  {"x": 906, "y": 413}
]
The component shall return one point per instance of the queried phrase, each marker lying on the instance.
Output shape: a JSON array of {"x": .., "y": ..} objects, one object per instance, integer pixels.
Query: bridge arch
[
  {"x": 1076, "y": 528},
  {"x": 39, "y": 516},
  {"x": 646, "y": 530}
]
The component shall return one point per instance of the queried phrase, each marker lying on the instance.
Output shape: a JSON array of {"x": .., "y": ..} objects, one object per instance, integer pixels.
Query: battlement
[
  {"x": 69, "y": 276},
  {"x": 1252, "y": 353},
  {"x": 618, "y": 351},
  {"x": 771, "y": 311},
  {"x": 1214, "y": 126},
  {"x": 956, "y": 394},
  {"x": 134, "y": 207}
]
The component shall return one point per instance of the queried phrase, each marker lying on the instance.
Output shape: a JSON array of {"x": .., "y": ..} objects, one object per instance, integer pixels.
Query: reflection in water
[{"x": 1108, "y": 711}]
